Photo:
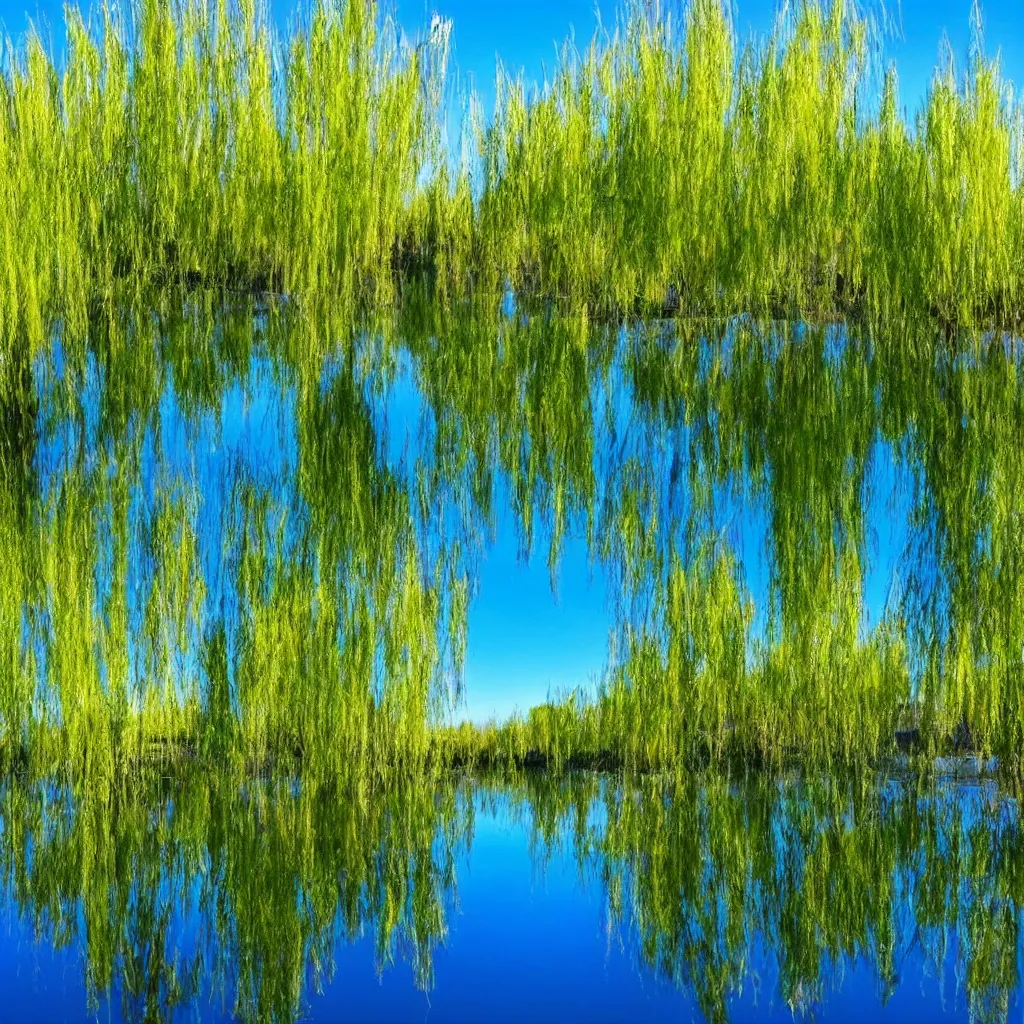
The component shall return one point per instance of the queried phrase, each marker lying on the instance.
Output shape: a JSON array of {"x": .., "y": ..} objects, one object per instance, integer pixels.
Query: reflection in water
[
  {"x": 239, "y": 549},
  {"x": 182, "y": 889},
  {"x": 702, "y": 874},
  {"x": 254, "y": 534},
  {"x": 207, "y": 889}
]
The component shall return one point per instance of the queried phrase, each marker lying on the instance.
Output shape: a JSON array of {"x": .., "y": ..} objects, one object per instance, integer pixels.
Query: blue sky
[
  {"x": 528, "y": 33},
  {"x": 524, "y": 640}
]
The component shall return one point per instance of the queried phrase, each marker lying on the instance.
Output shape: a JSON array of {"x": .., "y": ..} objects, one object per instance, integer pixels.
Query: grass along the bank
[{"x": 664, "y": 166}]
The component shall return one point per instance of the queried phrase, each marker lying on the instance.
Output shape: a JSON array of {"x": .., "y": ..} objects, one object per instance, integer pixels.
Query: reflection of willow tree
[
  {"x": 310, "y": 598},
  {"x": 265, "y": 877},
  {"x": 249, "y": 607},
  {"x": 723, "y": 423},
  {"x": 18, "y": 411},
  {"x": 961, "y": 410},
  {"x": 341, "y": 650},
  {"x": 514, "y": 401},
  {"x": 798, "y": 426},
  {"x": 785, "y": 421},
  {"x": 208, "y": 886},
  {"x": 709, "y": 877}
]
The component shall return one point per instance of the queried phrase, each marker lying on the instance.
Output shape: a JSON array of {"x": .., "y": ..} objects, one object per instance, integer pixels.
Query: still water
[
  {"x": 248, "y": 596},
  {"x": 577, "y": 898}
]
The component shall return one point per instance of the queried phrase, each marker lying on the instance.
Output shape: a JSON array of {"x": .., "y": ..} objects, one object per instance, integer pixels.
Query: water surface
[
  {"x": 578, "y": 897},
  {"x": 249, "y": 591}
]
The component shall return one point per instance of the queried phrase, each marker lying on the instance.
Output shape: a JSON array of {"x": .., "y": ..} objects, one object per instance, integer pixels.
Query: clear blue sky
[
  {"x": 523, "y": 640},
  {"x": 527, "y": 33}
]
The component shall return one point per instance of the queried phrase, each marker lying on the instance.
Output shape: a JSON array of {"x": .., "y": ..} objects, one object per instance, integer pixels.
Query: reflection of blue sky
[
  {"x": 525, "y": 641},
  {"x": 529, "y": 939}
]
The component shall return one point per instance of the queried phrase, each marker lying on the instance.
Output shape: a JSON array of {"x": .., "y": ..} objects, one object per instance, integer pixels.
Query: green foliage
[
  {"x": 663, "y": 167},
  {"x": 307, "y": 599},
  {"x": 185, "y": 142}
]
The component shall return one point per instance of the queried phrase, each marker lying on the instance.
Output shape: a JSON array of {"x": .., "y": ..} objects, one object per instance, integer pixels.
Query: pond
[
  {"x": 258, "y": 762},
  {"x": 577, "y": 897}
]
